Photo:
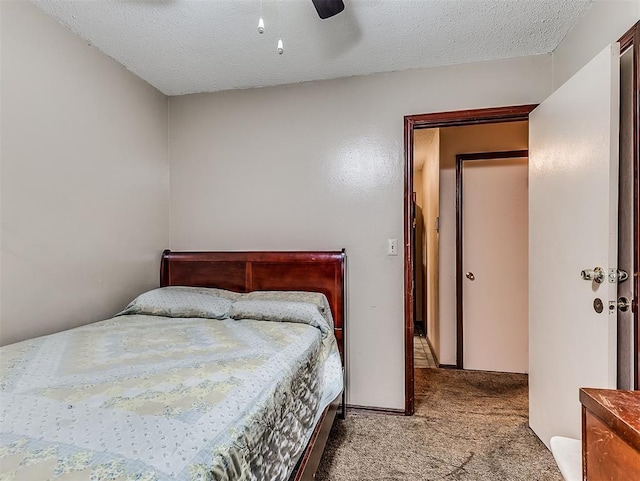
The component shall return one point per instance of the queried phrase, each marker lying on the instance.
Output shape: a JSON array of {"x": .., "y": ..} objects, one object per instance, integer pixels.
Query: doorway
[{"x": 413, "y": 124}]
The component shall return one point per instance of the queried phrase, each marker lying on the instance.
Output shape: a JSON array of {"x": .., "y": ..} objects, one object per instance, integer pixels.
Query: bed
[{"x": 223, "y": 373}]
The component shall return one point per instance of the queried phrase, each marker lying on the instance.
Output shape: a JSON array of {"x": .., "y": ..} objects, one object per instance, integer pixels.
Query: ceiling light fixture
[
  {"x": 280, "y": 47},
  {"x": 261, "y": 21}
]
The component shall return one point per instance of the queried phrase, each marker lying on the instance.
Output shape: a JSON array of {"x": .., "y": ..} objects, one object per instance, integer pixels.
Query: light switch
[{"x": 393, "y": 247}]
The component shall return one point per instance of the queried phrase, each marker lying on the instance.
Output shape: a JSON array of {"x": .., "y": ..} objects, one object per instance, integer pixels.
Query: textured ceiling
[{"x": 188, "y": 46}]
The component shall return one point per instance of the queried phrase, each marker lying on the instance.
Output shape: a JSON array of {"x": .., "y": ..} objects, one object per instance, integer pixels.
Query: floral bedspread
[{"x": 147, "y": 397}]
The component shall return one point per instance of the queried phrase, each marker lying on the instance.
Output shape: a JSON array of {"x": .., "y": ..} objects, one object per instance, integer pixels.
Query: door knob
[
  {"x": 624, "y": 304},
  {"x": 596, "y": 275},
  {"x": 470, "y": 276}
]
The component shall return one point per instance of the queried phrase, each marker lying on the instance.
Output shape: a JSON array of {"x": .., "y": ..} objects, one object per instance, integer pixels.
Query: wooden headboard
[{"x": 321, "y": 271}]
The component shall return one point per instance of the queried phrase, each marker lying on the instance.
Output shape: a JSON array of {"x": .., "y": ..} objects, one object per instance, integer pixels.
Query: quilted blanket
[{"x": 149, "y": 397}]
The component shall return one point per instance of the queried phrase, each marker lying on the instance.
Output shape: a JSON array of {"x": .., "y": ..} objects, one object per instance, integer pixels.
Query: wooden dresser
[{"x": 610, "y": 435}]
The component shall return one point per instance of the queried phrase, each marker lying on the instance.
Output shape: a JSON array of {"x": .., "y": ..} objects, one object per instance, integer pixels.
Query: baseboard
[
  {"x": 433, "y": 351},
  {"x": 375, "y": 410},
  {"x": 447, "y": 366}
]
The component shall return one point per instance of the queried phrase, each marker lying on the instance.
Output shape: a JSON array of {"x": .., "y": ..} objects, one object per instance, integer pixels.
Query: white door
[
  {"x": 495, "y": 261},
  {"x": 573, "y": 182}
]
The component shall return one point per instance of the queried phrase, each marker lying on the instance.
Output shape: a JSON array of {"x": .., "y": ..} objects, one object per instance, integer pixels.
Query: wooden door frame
[
  {"x": 631, "y": 39},
  {"x": 427, "y": 121},
  {"x": 460, "y": 158}
]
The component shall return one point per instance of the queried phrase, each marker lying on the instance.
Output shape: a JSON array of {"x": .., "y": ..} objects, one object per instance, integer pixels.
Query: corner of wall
[
  {"x": 168, "y": 150},
  {"x": 603, "y": 23},
  {"x": 553, "y": 72},
  {"x": 112, "y": 137}
]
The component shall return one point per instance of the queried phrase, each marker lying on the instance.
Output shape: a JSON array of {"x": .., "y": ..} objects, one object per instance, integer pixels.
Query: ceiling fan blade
[{"x": 328, "y": 8}]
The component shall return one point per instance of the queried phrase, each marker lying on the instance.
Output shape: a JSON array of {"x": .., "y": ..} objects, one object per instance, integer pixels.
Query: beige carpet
[{"x": 469, "y": 426}]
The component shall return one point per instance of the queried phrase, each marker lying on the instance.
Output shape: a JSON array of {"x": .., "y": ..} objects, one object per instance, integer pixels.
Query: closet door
[
  {"x": 495, "y": 264},
  {"x": 573, "y": 241}
]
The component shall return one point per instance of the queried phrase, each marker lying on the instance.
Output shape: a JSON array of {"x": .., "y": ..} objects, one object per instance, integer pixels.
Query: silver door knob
[
  {"x": 624, "y": 304},
  {"x": 596, "y": 275},
  {"x": 470, "y": 276}
]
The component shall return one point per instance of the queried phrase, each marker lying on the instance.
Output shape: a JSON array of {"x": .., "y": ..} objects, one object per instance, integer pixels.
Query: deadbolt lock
[
  {"x": 624, "y": 304},
  {"x": 596, "y": 275}
]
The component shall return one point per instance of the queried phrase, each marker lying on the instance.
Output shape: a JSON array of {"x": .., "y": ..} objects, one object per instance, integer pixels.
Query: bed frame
[{"x": 320, "y": 271}]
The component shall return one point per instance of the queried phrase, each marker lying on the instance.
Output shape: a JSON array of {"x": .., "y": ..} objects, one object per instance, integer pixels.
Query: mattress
[{"x": 152, "y": 397}]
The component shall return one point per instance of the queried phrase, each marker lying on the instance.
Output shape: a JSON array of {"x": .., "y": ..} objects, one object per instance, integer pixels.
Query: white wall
[
  {"x": 319, "y": 165},
  {"x": 85, "y": 184},
  {"x": 604, "y": 23}
]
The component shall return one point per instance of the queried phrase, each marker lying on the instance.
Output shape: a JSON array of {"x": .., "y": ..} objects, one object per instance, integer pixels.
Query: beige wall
[
  {"x": 431, "y": 180},
  {"x": 453, "y": 141},
  {"x": 417, "y": 185},
  {"x": 427, "y": 156},
  {"x": 604, "y": 23},
  {"x": 322, "y": 168},
  {"x": 84, "y": 198}
]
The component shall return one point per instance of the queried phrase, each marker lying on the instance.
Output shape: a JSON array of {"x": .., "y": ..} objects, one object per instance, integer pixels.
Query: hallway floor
[{"x": 422, "y": 355}]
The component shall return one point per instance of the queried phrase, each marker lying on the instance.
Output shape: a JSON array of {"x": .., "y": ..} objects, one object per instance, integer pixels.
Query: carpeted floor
[{"x": 468, "y": 426}]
